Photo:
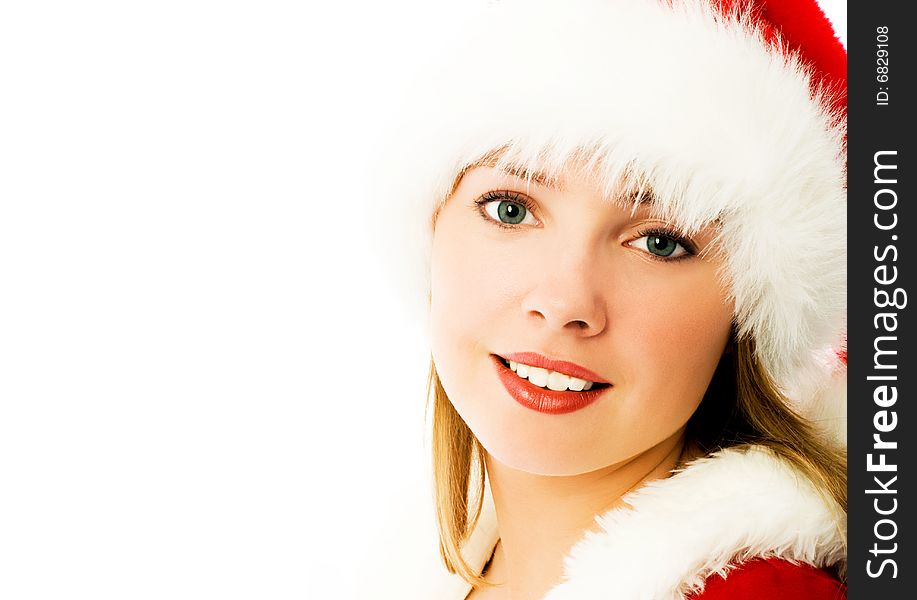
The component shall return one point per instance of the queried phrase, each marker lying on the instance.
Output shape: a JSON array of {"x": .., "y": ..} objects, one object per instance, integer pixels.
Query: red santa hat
[{"x": 729, "y": 110}]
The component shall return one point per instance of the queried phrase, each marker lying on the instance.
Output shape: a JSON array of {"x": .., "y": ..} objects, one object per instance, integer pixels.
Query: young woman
[{"x": 637, "y": 278}]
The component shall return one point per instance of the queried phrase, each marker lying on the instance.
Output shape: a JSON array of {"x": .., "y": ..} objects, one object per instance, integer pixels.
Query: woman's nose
[{"x": 566, "y": 297}]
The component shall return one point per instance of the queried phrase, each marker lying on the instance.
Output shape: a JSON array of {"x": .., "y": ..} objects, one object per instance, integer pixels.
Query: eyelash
[
  {"x": 661, "y": 231},
  {"x": 497, "y": 195},
  {"x": 666, "y": 232}
]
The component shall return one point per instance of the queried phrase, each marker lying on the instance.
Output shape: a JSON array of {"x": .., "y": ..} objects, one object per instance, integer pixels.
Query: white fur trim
[
  {"x": 719, "y": 123},
  {"x": 730, "y": 507},
  {"x": 824, "y": 391}
]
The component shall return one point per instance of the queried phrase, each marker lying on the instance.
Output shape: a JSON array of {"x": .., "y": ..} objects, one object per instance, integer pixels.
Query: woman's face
[{"x": 561, "y": 273}]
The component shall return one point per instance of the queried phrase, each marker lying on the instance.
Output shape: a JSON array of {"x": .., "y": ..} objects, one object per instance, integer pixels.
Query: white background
[{"x": 208, "y": 389}]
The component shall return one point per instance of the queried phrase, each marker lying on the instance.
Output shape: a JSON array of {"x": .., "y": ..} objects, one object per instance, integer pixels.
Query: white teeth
[
  {"x": 558, "y": 381},
  {"x": 550, "y": 379},
  {"x": 577, "y": 384},
  {"x": 538, "y": 376}
]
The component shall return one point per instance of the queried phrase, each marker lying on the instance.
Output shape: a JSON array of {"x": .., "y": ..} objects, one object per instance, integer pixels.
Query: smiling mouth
[{"x": 550, "y": 380}]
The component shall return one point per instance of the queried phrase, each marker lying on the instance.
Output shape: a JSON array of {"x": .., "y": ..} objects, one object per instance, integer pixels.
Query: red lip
[
  {"x": 541, "y": 399},
  {"x": 561, "y": 366}
]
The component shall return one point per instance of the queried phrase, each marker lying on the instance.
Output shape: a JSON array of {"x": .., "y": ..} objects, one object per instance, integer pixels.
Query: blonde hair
[{"x": 742, "y": 407}]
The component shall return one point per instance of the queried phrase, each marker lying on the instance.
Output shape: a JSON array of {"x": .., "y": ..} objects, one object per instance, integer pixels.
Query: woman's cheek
[
  {"x": 675, "y": 351},
  {"x": 461, "y": 288},
  {"x": 472, "y": 279}
]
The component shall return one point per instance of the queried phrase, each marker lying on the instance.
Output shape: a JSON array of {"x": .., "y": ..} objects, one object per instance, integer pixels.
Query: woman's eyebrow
[
  {"x": 527, "y": 175},
  {"x": 517, "y": 170}
]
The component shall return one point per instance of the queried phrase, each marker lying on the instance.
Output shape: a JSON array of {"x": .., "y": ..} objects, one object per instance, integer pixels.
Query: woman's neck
[{"x": 541, "y": 517}]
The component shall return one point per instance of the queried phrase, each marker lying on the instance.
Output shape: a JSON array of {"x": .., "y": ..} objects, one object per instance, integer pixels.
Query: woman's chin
[{"x": 538, "y": 458}]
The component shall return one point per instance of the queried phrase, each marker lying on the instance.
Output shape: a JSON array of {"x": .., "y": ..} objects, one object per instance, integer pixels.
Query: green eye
[
  {"x": 661, "y": 245},
  {"x": 512, "y": 213},
  {"x": 506, "y": 209}
]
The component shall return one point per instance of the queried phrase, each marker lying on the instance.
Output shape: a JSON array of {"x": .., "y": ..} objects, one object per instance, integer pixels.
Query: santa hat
[{"x": 728, "y": 110}]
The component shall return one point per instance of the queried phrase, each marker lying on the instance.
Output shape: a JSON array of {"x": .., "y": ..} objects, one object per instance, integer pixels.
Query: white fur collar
[{"x": 730, "y": 507}]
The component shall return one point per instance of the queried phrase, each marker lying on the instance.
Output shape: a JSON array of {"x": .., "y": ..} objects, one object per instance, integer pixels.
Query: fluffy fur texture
[
  {"x": 806, "y": 30},
  {"x": 716, "y": 513},
  {"x": 672, "y": 98}
]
